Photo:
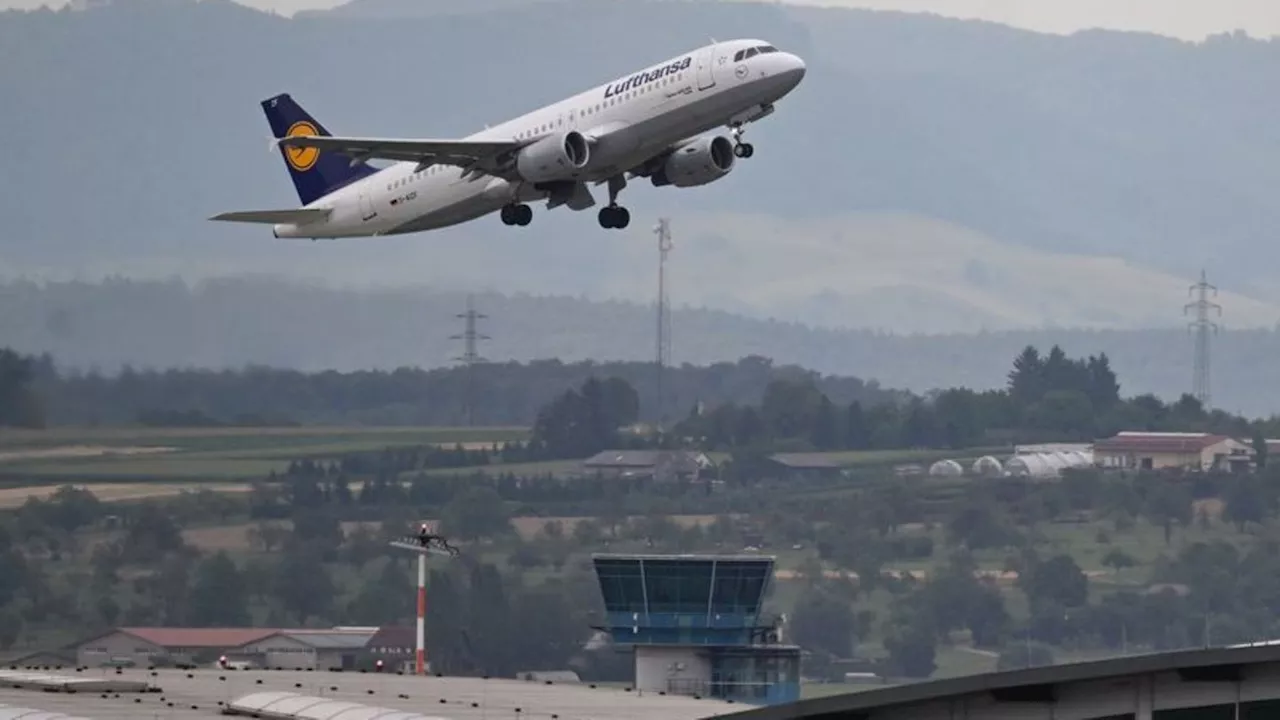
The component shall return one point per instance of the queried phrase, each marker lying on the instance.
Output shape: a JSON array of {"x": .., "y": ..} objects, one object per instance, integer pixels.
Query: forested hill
[
  {"x": 235, "y": 322},
  {"x": 959, "y": 174}
]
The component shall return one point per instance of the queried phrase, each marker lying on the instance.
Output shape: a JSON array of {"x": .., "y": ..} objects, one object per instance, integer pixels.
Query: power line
[
  {"x": 470, "y": 356},
  {"x": 1202, "y": 326},
  {"x": 663, "y": 354}
]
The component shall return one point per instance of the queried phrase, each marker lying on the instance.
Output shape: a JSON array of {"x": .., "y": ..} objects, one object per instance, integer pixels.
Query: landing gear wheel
[
  {"x": 516, "y": 215},
  {"x": 744, "y": 150},
  {"x": 614, "y": 217}
]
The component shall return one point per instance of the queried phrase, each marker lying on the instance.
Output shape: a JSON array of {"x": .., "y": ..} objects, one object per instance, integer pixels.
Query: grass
[{"x": 199, "y": 454}]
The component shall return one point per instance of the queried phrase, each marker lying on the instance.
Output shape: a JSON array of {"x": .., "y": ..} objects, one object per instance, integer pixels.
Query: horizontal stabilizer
[{"x": 297, "y": 216}]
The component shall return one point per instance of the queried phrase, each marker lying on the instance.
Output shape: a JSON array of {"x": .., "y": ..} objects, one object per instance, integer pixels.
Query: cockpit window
[{"x": 752, "y": 52}]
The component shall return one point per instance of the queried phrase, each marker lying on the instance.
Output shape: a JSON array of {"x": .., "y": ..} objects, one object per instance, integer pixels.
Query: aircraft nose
[{"x": 793, "y": 68}]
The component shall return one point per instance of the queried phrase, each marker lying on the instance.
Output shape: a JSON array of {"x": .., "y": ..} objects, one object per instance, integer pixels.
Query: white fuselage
[{"x": 631, "y": 120}]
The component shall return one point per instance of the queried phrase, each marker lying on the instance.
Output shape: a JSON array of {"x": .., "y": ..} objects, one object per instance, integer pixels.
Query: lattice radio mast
[
  {"x": 1202, "y": 326},
  {"x": 663, "y": 355},
  {"x": 470, "y": 356}
]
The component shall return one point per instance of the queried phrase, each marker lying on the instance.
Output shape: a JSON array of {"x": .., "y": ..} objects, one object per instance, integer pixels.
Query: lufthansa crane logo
[{"x": 301, "y": 159}]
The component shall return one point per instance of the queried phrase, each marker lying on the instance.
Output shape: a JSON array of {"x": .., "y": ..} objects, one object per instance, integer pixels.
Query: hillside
[
  {"x": 238, "y": 321},
  {"x": 993, "y": 145}
]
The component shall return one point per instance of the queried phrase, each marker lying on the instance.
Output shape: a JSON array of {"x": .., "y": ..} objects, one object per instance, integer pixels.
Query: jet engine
[
  {"x": 697, "y": 163},
  {"x": 555, "y": 157}
]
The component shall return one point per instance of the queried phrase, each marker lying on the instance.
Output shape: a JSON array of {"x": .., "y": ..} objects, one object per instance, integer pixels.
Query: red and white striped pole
[{"x": 422, "y": 615}]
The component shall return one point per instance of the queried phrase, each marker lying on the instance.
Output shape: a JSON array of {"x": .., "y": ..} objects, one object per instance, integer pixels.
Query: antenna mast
[
  {"x": 470, "y": 356},
  {"x": 663, "y": 355},
  {"x": 1202, "y": 326}
]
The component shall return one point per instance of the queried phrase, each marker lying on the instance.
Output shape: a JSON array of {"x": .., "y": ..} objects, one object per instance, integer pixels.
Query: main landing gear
[
  {"x": 741, "y": 149},
  {"x": 517, "y": 214},
  {"x": 613, "y": 216}
]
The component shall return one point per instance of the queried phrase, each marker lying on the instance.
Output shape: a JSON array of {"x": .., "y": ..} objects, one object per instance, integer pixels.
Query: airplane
[{"x": 649, "y": 124}]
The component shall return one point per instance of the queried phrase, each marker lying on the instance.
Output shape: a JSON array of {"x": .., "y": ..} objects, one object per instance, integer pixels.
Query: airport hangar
[{"x": 1216, "y": 684}]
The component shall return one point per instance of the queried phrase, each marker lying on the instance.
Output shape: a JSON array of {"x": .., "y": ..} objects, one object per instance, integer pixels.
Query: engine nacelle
[
  {"x": 555, "y": 157},
  {"x": 697, "y": 163}
]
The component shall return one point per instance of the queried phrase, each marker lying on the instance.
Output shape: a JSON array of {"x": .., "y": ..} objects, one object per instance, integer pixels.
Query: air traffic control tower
[{"x": 693, "y": 623}]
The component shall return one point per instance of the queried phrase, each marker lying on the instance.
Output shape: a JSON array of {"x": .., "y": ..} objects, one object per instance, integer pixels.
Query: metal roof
[
  {"x": 25, "y": 680},
  {"x": 288, "y": 706},
  {"x": 331, "y": 640},
  {"x": 900, "y": 696},
  {"x": 9, "y": 712},
  {"x": 1158, "y": 442},
  {"x": 171, "y": 637},
  {"x": 685, "y": 557},
  {"x": 679, "y": 460},
  {"x": 805, "y": 461},
  {"x": 202, "y": 694}
]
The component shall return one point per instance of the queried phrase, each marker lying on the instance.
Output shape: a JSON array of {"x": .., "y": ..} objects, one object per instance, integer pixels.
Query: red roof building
[{"x": 1158, "y": 450}]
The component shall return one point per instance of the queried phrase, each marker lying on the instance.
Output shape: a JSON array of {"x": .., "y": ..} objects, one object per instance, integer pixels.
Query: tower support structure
[
  {"x": 470, "y": 354},
  {"x": 1202, "y": 327},
  {"x": 662, "y": 356},
  {"x": 420, "y": 647}
]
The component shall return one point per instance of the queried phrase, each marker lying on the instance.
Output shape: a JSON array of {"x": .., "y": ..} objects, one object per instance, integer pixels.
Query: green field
[
  {"x": 196, "y": 454},
  {"x": 200, "y": 455}
]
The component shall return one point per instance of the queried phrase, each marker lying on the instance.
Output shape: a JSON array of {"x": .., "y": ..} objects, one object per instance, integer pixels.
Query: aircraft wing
[
  {"x": 298, "y": 216},
  {"x": 483, "y": 155}
]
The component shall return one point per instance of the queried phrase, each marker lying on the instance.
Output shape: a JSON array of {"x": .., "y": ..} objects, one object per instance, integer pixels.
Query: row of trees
[
  {"x": 502, "y": 393},
  {"x": 748, "y": 404},
  {"x": 1049, "y": 397}
]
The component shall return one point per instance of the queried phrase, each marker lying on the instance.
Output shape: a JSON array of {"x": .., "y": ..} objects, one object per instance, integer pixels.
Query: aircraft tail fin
[{"x": 315, "y": 173}]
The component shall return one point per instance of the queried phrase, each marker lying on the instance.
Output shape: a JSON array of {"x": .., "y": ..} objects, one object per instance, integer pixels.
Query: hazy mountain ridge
[
  {"x": 234, "y": 322},
  {"x": 140, "y": 119}
]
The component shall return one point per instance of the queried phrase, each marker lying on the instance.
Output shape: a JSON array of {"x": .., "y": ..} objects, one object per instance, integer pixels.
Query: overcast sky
[{"x": 1190, "y": 19}]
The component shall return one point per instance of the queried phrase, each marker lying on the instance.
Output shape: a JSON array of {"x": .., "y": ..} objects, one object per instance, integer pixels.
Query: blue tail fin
[{"x": 315, "y": 174}]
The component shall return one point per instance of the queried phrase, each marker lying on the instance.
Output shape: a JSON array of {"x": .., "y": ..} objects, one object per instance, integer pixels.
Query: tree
[
  {"x": 219, "y": 595},
  {"x": 823, "y": 623},
  {"x": 1246, "y": 502},
  {"x": 856, "y": 434},
  {"x": 912, "y": 652},
  {"x": 386, "y": 600},
  {"x": 1058, "y": 580},
  {"x": 303, "y": 584},
  {"x": 1026, "y": 380},
  {"x": 1118, "y": 560},
  {"x": 151, "y": 533},
  {"x": 789, "y": 407},
  {"x": 1104, "y": 389},
  {"x": 825, "y": 431},
  {"x": 1167, "y": 503},
  {"x": 19, "y": 404},
  {"x": 477, "y": 512}
]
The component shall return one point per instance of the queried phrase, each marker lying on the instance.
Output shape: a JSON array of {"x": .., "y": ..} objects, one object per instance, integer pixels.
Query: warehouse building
[
  {"x": 1183, "y": 451},
  {"x": 294, "y": 649}
]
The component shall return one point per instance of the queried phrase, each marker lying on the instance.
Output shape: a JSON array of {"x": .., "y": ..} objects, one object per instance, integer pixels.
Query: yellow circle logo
[{"x": 301, "y": 158}]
